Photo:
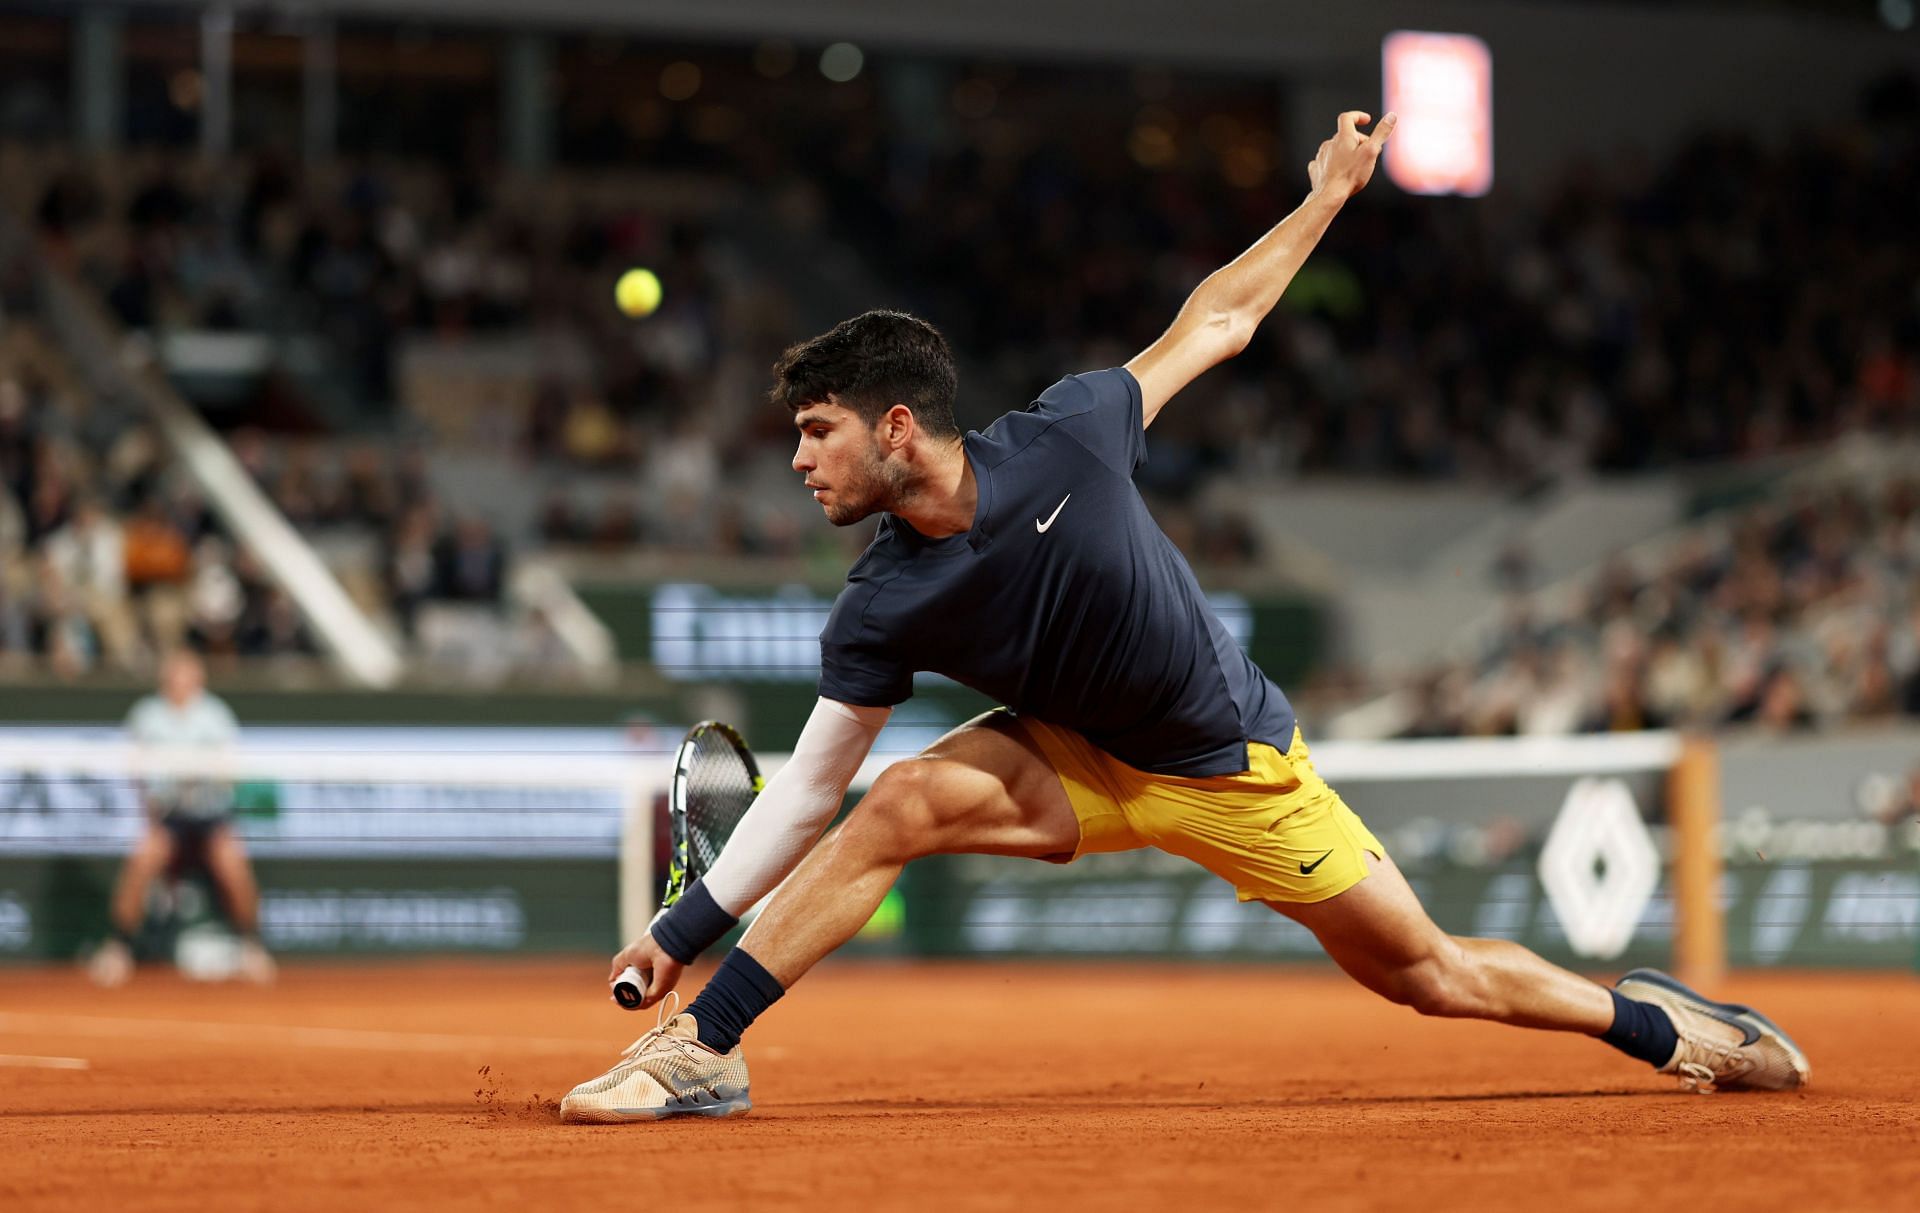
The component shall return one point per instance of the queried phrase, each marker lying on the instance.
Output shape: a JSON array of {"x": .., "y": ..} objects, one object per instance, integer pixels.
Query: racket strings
[{"x": 720, "y": 789}]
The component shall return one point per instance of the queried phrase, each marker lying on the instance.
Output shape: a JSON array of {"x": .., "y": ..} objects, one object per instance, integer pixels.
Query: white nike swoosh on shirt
[{"x": 1042, "y": 526}]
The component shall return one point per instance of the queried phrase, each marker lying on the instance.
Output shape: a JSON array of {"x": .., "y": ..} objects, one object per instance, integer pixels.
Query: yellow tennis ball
[{"x": 637, "y": 292}]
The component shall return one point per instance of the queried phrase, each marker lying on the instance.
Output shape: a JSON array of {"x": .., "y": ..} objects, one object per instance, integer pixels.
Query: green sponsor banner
[
  {"x": 1862, "y": 914},
  {"x": 695, "y": 632},
  {"x": 1839, "y": 913},
  {"x": 54, "y": 908},
  {"x": 765, "y": 641},
  {"x": 1856, "y": 913}
]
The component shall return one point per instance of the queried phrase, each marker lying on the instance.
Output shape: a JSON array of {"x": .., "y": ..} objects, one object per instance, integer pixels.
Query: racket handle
[{"x": 629, "y": 988}]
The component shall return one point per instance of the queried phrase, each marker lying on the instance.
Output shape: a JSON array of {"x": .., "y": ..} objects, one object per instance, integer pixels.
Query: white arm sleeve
[{"x": 796, "y": 806}]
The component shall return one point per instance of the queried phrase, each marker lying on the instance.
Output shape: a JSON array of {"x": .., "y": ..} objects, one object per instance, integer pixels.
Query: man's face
[
  {"x": 841, "y": 459},
  {"x": 181, "y": 678}
]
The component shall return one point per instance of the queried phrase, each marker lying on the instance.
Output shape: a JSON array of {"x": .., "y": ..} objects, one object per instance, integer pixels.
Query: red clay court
[{"x": 930, "y": 1087}]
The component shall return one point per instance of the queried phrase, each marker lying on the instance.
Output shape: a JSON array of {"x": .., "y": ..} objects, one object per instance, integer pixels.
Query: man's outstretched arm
[{"x": 1218, "y": 319}]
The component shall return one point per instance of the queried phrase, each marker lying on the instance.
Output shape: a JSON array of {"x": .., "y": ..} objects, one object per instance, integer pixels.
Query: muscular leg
[
  {"x": 1379, "y": 933},
  {"x": 149, "y": 858},
  {"x": 233, "y": 875},
  {"x": 984, "y": 788}
]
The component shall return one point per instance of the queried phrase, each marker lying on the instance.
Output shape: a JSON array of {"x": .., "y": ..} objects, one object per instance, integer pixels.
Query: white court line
[
  {"x": 44, "y": 1063},
  {"x": 313, "y": 1038}
]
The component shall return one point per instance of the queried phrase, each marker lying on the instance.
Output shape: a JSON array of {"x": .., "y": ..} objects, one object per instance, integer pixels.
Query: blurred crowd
[
  {"x": 1787, "y": 616},
  {"x": 1727, "y": 301},
  {"x": 418, "y": 554},
  {"x": 106, "y": 559},
  {"x": 366, "y": 257},
  {"x": 366, "y": 254}
]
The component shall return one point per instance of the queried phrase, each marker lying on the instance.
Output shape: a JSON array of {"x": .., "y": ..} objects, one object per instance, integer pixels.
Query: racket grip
[{"x": 629, "y": 988}]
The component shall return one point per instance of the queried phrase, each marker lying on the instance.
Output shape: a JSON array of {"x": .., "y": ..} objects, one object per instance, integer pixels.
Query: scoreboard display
[{"x": 1441, "y": 85}]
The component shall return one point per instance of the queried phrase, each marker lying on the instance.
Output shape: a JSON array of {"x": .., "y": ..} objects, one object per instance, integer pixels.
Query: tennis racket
[{"x": 715, "y": 780}]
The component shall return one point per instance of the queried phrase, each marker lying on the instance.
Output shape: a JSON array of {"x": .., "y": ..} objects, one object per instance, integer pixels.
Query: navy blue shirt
[{"x": 1065, "y": 601}]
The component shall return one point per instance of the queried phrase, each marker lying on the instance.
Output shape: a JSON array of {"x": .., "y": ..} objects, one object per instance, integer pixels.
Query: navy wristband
[{"x": 691, "y": 925}]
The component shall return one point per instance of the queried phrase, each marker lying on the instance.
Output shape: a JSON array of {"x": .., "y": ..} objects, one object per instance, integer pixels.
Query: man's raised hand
[{"x": 1345, "y": 162}]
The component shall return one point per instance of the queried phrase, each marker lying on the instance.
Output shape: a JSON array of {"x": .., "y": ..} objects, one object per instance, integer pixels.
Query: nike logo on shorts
[
  {"x": 1306, "y": 869},
  {"x": 1042, "y": 526}
]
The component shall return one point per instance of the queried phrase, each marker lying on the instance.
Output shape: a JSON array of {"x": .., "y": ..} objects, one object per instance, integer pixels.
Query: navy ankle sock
[
  {"x": 1641, "y": 1030},
  {"x": 733, "y": 998}
]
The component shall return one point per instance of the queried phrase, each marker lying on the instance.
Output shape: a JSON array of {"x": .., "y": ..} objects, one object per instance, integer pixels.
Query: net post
[
  {"x": 1693, "y": 807},
  {"x": 636, "y": 857}
]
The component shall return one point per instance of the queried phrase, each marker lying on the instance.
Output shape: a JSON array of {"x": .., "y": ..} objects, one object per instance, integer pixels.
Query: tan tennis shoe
[
  {"x": 667, "y": 1072},
  {"x": 1723, "y": 1045}
]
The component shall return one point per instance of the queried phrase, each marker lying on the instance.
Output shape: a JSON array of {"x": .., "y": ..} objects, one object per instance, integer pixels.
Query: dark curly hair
[{"x": 869, "y": 364}]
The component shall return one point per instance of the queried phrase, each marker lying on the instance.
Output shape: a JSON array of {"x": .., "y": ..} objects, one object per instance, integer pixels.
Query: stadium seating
[
  {"x": 1787, "y": 615},
  {"x": 446, "y": 383}
]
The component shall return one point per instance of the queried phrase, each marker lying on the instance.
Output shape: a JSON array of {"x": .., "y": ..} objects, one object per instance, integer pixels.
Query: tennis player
[
  {"x": 1022, "y": 562},
  {"x": 189, "y": 823}
]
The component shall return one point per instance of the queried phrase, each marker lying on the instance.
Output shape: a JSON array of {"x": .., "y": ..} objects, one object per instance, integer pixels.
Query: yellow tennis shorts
[{"x": 1276, "y": 832}]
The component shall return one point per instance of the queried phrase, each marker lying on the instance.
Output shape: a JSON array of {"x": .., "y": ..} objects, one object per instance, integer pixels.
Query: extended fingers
[{"x": 1382, "y": 132}]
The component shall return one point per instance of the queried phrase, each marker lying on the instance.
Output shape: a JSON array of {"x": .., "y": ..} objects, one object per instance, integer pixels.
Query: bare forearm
[
  {"x": 1218, "y": 319},
  {"x": 1246, "y": 288}
]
